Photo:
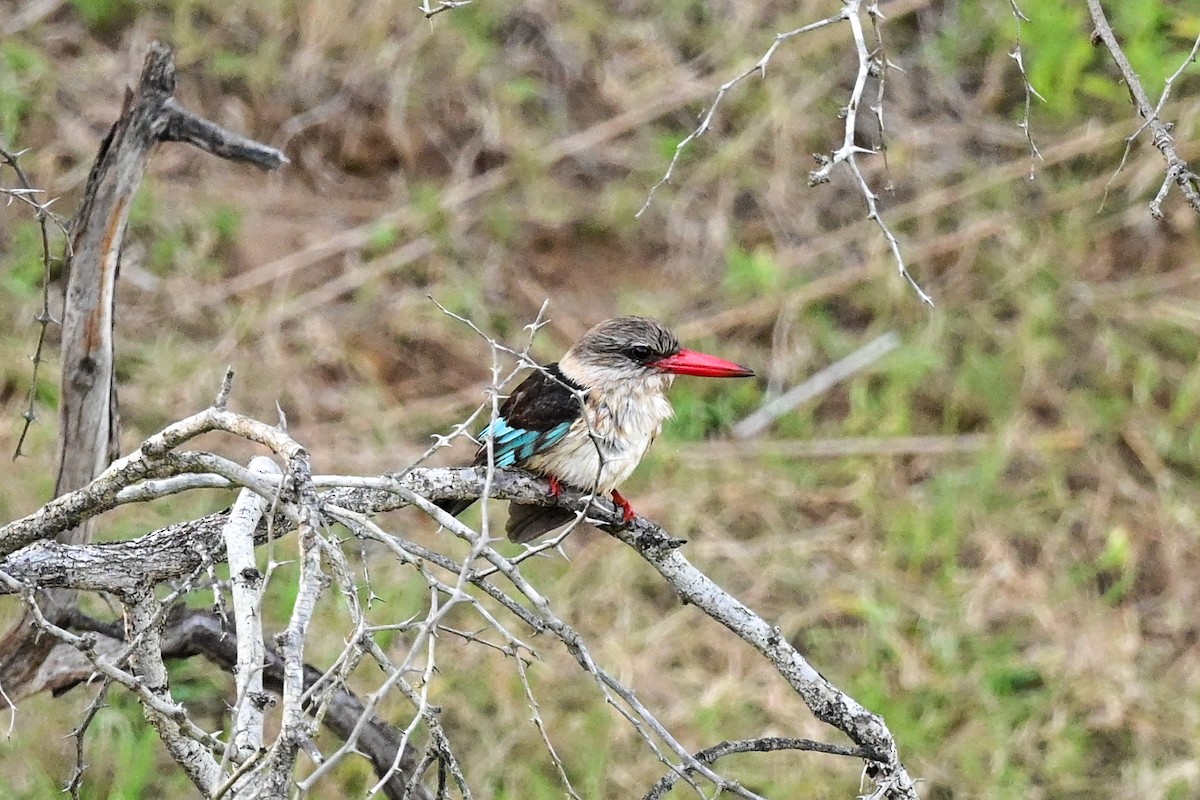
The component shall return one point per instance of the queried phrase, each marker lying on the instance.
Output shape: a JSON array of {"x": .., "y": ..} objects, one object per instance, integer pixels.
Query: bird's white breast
[{"x": 604, "y": 446}]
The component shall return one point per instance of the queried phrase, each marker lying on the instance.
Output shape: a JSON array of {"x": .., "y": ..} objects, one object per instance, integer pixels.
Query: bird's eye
[{"x": 639, "y": 352}]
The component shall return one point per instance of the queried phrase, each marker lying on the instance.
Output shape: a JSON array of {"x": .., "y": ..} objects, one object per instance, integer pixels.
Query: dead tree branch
[
  {"x": 870, "y": 62},
  {"x": 88, "y": 418},
  {"x": 26, "y": 193},
  {"x": 1178, "y": 172},
  {"x": 766, "y": 744},
  {"x": 192, "y": 633},
  {"x": 298, "y": 505}
]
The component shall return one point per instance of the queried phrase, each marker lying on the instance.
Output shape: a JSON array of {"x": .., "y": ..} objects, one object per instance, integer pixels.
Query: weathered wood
[
  {"x": 192, "y": 632},
  {"x": 89, "y": 423},
  {"x": 88, "y": 418}
]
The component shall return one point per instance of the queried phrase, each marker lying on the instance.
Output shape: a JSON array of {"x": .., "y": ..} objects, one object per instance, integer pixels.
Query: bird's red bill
[{"x": 689, "y": 362}]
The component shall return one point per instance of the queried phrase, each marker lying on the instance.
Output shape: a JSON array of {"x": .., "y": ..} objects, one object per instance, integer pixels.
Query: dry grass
[{"x": 1021, "y": 610}]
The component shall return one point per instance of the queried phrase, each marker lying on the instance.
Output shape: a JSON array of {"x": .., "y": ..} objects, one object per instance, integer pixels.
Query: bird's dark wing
[
  {"x": 536, "y": 416},
  {"x": 533, "y": 419}
]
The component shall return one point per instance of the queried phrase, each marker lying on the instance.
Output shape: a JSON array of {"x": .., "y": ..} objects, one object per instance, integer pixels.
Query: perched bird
[{"x": 587, "y": 420}]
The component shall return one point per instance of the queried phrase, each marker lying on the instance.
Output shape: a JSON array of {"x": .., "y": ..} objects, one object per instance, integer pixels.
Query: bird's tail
[
  {"x": 455, "y": 507},
  {"x": 525, "y": 522},
  {"x": 528, "y": 522}
]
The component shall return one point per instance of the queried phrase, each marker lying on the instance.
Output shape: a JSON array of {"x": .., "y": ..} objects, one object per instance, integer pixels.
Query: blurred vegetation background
[{"x": 990, "y": 538}]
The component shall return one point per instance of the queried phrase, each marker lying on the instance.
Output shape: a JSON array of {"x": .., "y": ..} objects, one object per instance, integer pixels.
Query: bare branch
[
  {"x": 1018, "y": 56},
  {"x": 759, "y": 68},
  {"x": 849, "y": 151},
  {"x": 152, "y": 460},
  {"x": 825, "y": 700},
  {"x": 88, "y": 413},
  {"x": 1178, "y": 172},
  {"x": 296, "y": 728},
  {"x": 868, "y": 63},
  {"x": 26, "y": 194},
  {"x": 143, "y": 618},
  {"x": 79, "y": 733},
  {"x": 766, "y": 744},
  {"x": 160, "y": 704},
  {"x": 430, "y": 10},
  {"x": 173, "y": 552}
]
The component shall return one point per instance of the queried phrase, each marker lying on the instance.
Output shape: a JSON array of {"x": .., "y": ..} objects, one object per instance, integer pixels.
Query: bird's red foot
[
  {"x": 555, "y": 486},
  {"x": 623, "y": 504}
]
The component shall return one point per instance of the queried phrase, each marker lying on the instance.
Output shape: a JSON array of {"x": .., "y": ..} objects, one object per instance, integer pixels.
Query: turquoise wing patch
[{"x": 514, "y": 446}]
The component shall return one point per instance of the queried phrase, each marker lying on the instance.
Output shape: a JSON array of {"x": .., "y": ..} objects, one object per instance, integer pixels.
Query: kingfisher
[{"x": 587, "y": 420}]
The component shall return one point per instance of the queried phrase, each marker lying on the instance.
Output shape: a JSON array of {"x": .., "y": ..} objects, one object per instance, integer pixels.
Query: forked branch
[
  {"x": 871, "y": 62},
  {"x": 1178, "y": 172},
  {"x": 304, "y": 504}
]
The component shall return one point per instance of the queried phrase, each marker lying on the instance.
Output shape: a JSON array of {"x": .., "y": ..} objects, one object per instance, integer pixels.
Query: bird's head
[{"x": 637, "y": 348}]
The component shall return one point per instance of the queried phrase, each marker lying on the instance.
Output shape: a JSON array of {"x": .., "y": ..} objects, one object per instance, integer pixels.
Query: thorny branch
[
  {"x": 430, "y": 10},
  {"x": 483, "y": 582},
  {"x": 1018, "y": 55},
  {"x": 1178, "y": 171},
  {"x": 88, "y": 409},
  {"x": 870, "y": 63},
  {"x": 766, "y": 744},
  {"x": 27, "y": 194},
  {"x": 307, "y": 504}
]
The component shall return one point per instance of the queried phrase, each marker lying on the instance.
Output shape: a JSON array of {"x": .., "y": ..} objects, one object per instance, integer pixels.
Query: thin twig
[
  {"x": 1178, "y": 172},
  {"x": 430, "y": 10},
  {"x": 44, "y": 319},
  {"x": 849, "y": 151},
  {"x": 1018, "y": 56},
  {"x": 759, "y": 68},
  {"x": 765, "y": 744},
  {"x": 80, "y": 731},
  {"x": 868, "y": 64}
]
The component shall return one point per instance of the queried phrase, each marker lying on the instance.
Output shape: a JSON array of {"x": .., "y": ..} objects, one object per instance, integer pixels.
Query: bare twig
[
  {"x": 26, "y": 194},
  {"x": 883, "y": 65},
  {"x": 76, "y": 782},
  {"x": 759, "y": 68},
  {"x": 1018, "y": 56},
  {"x": 1178, "y": 173},
  {"x": 869, "y": 63},
  {"x": 766, "y": 744},
  {"x": 429, "y": 9},
  {"x": 849, "y": 151},
  {"x": 540, "y": 724}
]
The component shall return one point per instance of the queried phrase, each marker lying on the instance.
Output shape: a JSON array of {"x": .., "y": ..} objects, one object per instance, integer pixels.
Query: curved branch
[
  {"x": 827, "y": 702},
  {"x": 764, "y": 744}
]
